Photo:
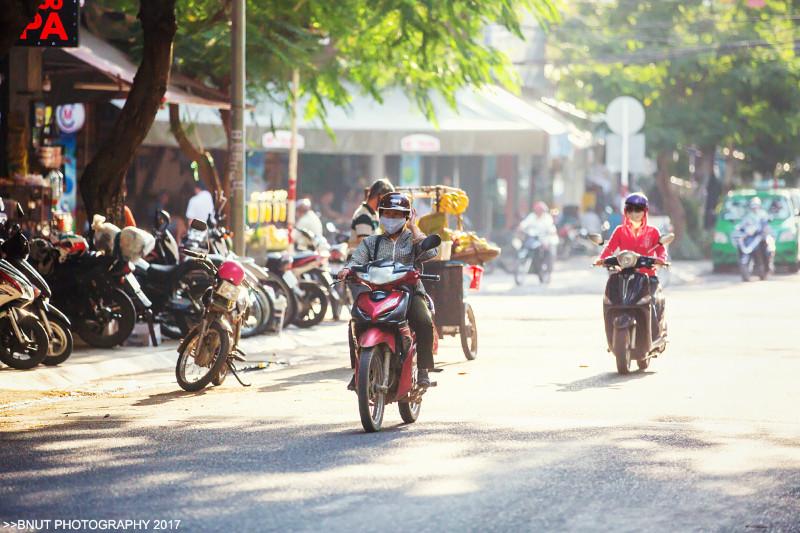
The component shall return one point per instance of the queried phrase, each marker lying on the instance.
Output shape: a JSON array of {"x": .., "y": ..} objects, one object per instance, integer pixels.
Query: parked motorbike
[
  {"x": 634, "y": 329},
  {"x": 89, "y": 288},
  {"x": 210, "y": 349},
  {"x": 15, "y": 249},
  {"x": 756, "y": 247},
  {"x": 535, "y": 255},
  {"x": 386, "y": 350},
  {"x": 311, "y": 263},
  {"x": 23, "y": 339},
  {"x": 336, "y": 262}
]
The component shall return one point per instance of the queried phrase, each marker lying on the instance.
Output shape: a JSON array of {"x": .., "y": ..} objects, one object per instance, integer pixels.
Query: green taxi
[{"x": 783, "y": 208}]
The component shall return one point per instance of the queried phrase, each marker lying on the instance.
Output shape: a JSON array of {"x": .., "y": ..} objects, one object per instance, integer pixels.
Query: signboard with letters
[{"x": 55, "y": 24}]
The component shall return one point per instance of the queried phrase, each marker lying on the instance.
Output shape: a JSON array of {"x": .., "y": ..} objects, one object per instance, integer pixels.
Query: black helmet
[{"x": 395, "y": 201}]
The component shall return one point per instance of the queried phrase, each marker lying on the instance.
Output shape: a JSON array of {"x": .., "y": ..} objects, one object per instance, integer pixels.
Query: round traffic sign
[{"x": 625, "y": 115}]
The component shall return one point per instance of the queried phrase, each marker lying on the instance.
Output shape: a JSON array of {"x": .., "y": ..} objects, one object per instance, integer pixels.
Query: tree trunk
[
  {"x": 225, "y": 116},
  {"x": 14, "y": 16},
  {"x": 670, "y": 197},
  {"x": 208, "y": 173},
  {"x": 102, "y": 183}
]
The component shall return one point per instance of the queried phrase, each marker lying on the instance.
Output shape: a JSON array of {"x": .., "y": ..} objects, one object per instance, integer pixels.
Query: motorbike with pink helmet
[{"x": 211, "y": 348}]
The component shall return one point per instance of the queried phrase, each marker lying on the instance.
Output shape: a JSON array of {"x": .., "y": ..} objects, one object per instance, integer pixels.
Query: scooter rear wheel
[
  {"x": 371, "y": 401},
  {"x": 25, "y": 357}
]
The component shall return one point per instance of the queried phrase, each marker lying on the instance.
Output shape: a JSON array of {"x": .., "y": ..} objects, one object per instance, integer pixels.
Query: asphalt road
[{"x": 538, "y": 434}]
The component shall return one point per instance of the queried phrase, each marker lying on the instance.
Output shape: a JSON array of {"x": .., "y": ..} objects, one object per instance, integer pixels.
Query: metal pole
[
  {"x": 237, "y": 161},
  {"x": 626, "y": 139},
  {"x": 292, "y": 196}
]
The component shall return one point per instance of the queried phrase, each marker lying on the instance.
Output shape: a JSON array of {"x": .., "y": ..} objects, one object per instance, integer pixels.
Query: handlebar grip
[{"x": 430, "y": 277}]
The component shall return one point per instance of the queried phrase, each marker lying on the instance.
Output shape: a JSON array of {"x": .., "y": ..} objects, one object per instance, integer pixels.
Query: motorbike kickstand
[{"x": 232, "y": 367}]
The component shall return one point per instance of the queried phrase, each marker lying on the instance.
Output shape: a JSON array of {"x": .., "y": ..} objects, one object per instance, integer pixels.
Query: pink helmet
[
  {"x": 539, "y": 207},
  {"x": 231, "y": 271}
]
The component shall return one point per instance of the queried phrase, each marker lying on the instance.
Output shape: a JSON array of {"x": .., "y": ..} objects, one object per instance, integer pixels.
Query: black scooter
[{"x": 633, "y": 328}]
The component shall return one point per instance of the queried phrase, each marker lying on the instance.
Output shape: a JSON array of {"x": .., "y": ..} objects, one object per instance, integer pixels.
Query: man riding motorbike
[
  {"x": 540, "y": 223},
  {"x": 635, "y": 235},
  {"x": 400, "y": 243}
]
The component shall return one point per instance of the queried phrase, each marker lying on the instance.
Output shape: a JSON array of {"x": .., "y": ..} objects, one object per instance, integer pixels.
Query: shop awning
[
  {"x": 488, "y": 121},
  {"x": 121, "y": 71}
]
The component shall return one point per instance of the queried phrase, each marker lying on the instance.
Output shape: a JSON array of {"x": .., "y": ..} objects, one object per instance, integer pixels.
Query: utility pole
[
  {"x": 237, "y": 160},
  {"x": 292, "y": 196}
]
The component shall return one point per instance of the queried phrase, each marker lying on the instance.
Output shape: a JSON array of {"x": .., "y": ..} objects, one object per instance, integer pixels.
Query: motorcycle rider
[
  {"x": 400, "y": 243},
  {"x": 540, "y": 223},
  {"x": 758, "y": 217},
  {"x": 636, "y": 236}
]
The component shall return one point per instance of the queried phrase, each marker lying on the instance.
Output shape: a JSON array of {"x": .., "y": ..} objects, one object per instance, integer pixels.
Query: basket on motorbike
[{"x": 453, "y": 314}]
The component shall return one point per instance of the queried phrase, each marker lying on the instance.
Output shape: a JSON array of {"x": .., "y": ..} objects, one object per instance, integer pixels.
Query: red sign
[{"x": 55, "y": 24}]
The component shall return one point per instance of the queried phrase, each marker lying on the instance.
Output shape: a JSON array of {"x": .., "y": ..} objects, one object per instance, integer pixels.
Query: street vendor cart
[{"x": 459, "y": 263}]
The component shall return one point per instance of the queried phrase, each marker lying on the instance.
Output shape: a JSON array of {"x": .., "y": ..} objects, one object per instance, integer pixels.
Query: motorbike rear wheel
[
  {"x": 622, "y": 352},
  {"x": 313, "y": 307},
  {"x": 281, "y": 288},
  {"x": 60, "y": 345},
  {"x": 33, "y": 352},
  {"x": 409, "y": 411},
  {"x": 215, "y": 347},
  {"x": 371, "y": 401},
  {"x": 111, "y": 322},
  {"x": 259, "y": 313}
]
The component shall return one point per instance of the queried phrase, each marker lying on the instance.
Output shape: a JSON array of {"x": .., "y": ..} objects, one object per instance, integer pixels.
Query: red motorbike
[{"x": 386, "y": 348}]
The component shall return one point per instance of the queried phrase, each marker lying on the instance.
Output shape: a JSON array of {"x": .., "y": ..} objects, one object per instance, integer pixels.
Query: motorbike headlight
[
  {"x": 788, "y": 235},
  {"x": 720, "y": 238},
  {"x": 516, "y": 243},
  {"x": 627, "y": 259}
]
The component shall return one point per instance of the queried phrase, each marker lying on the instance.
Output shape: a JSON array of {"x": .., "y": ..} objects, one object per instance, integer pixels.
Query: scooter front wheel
[
  {"x": 371, "y": 398},
  {"x": 745, "y": 269},
  {"x": 622, "y": 351}
]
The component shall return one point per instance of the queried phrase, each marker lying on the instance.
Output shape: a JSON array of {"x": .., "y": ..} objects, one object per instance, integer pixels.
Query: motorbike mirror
[
  {"x": 596, "y": 238},
  {"x": 3, "y": 207},
  {"x": 20, "y": 211},
  {"x": 430, "y": 242},
  {"x": 198, "y": 225},
  {"x": 330, "y": 227},
  {"x": 666, "y": 239},
  {"x": 162, "y": 219}
]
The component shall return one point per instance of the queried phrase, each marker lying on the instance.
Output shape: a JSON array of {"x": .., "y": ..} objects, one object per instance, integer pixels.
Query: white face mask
[{"x": 392, "y": 225}]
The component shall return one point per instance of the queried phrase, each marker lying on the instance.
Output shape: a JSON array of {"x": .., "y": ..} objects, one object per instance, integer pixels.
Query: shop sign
[
  {"x": 281, "y": 140},
  {"x": 55, "y": 24},
  {"x": 420, "y": 143},
  {"x": 70, "y": 117}
]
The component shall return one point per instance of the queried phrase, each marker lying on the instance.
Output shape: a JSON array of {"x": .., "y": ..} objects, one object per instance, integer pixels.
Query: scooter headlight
[
  {"x": 720, "y": 237},
  {"x": 516, "y": 243},
  {"x": 627, "y": 259}
]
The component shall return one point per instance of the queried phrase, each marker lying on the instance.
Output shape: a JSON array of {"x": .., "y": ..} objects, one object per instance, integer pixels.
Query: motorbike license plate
[
  {"x": 290, "y": 279},
  {"x": 228, "y": 290}
]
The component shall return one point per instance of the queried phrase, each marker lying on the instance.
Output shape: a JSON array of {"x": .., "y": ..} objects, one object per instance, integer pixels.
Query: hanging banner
[
  {"x": 69, "y": 201},
  {"x": 55, "y": 24},
  {"x": 420, "y": 143}
]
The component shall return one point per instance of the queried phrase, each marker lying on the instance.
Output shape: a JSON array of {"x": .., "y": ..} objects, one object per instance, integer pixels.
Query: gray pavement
[{"x": 538, "y": 434}]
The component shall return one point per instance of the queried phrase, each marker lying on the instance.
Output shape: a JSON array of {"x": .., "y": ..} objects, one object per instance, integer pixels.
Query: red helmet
[
  {"x": 231, "y": 271},
  {"x": 539, "y": 207},
  {"x": 395, "y": 201}
]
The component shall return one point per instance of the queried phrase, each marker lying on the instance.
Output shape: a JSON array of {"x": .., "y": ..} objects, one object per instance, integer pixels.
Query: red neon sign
[{"x": 55, "y": 24}]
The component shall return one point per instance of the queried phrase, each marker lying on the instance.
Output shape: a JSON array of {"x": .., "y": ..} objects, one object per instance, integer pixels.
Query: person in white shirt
[
  {"x": 540, "y": 223},
  {"x": 201, "y": 205},
  {"x": 306, "y": 219}
]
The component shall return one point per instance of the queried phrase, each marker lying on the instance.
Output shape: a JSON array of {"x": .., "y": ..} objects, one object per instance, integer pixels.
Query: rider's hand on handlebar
[
  {"x": 343, "y": 273},
  {"x": 598, "y": 262},
  {"x": 659, "y": 262}
]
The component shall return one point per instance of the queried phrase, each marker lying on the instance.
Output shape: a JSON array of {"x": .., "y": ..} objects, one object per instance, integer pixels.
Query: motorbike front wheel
[
  {"x": 522, "y": 270},
  {"x": 31, "y": 352},
  {"x": 371, "y": 398},
  {"x": 622, "y": 351},
  {"x": 202, "y": 358},
  {"x": 312, "y": 307},
  {"x": 746, "y": 269}
]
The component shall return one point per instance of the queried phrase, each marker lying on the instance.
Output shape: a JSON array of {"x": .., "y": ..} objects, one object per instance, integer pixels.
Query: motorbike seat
[
  {"x": 161, "y": 274},
  {"x": 303, "y": 258}
]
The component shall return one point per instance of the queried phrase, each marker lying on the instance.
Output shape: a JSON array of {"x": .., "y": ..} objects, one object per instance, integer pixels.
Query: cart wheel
[{"x": 469, "y": 333}]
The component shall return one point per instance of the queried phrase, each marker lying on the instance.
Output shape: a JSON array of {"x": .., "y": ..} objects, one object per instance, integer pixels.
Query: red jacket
[{"x": 643, "y": 241}]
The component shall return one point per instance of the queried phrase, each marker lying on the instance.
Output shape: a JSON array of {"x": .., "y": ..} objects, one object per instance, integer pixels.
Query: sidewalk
[{"x": 89, "y": 365}]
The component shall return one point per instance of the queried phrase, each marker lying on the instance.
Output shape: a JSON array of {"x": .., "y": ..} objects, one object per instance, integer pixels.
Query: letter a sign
[{"x": 55, "y": 24}]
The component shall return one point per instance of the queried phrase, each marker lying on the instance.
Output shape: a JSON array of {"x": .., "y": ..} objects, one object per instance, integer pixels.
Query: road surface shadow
[
  {"x": 165, "y": 397},
  {"x": 279, "y": 475},
  {"x": 342, "y": 374},
  {"x": 601, "y": 381}
]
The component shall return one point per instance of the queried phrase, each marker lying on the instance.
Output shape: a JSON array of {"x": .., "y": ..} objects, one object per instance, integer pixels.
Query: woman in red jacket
[{"x": 636, "y": 236}]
